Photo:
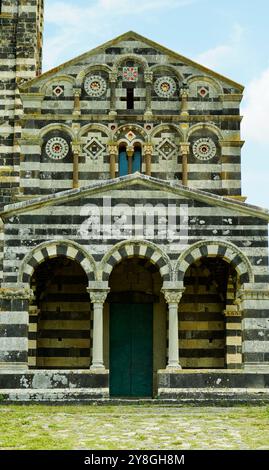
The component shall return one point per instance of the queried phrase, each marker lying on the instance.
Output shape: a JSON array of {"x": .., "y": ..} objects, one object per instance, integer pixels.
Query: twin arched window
[{"x": 130, "y": 160}]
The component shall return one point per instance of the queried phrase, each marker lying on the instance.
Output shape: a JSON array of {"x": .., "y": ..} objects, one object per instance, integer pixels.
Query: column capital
[
  {"x": 76, "y": 147},
  {"x": 113, "y": 77},
  {"x": 112, "y": 148},
  {"x": 77, "y": 92},
  {"x": 148, "y": 148},
  {"x": 253, "y": 291},
  {"x": 172, "y": 296},
  {"x": 98, "y": 295},
  {"x": 14, "y": 293},
  {"x": 148, "y": 76},
  {"x": 130, "y": 150},
  {"x": 185, "y": 148}
]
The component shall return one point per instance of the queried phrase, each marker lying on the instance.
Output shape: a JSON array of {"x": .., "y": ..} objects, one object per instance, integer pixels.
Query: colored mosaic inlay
[
  {"x": 95, "y": 86},
  {"x": 204, "y": 149},
  {"x": 130, "y": 74},
  {"x": 203, "y": 91},
  {"x": 167, "y": 149},
  {"x": 165, "y": 87},
  {"x": 57, "y": 148}
]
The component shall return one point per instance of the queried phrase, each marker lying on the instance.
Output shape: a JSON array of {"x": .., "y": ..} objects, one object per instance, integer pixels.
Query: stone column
[
  {"x": 184, "y": 93},
  {"x": 113, "y": 152},
  {"x": 173, "y": 297},
  {"x": 113, "y": 82},
  {"x": 14, "y": 322},
  {"x": 98, "y": 297},
  {"x": 148, "y": 150},
  {"x": 254, "y": 304},
  {"x": 233, "y": 337},
  {"x": 130, "y": 154},
  {"x": 77, "y": 94},
  {"x": 76, "y": 152},
  {"x": 148, "y": 76},
  {"x": 185, "y": 149}
]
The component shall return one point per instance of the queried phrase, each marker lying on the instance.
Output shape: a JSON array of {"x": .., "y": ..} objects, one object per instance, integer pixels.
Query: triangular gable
[
  {"x": 125, "y": 183},
  {"x": 135, "y": 36}
]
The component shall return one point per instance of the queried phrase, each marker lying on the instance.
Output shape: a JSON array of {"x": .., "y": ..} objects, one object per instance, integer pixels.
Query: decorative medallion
[
  {"x": 57, "y": 148},
  {"x": 165, "y": 87},
  {"x": 95, "y": 86},
  {"x": 203, "y": 91},
  {"x": 204, "y": 149},
  {"x": 167, "y": 149},
  {"x": 58, "y": 90},
  {"x": 94, "y": 148},
  {"x": 130, "y": 74},
  {"x": 130, "y": 136}
]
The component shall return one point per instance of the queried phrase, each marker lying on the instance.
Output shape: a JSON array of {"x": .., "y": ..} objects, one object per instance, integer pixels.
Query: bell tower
[{"x": 21, "y": 34}]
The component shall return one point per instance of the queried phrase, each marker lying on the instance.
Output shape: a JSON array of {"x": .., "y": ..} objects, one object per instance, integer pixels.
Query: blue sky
[{"x": 229, "y": 36}]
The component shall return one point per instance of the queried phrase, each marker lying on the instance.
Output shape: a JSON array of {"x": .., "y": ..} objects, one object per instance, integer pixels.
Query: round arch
[
  {"x": 57, "y": 78},
  {"x": 56, "y": 127},
  {"x": 125, "y": 128},
  {"x": 166, "y": 68},
  {"x": 98, "y": 127},
  {"x": 208, "y": 126},
  {"x": 134, "y": 57},
  {"x": 226, "y": 250},
  {"x": 53, "y": 249},
  {"x": 131, "y": 248},
  {"x": 166, "y": 127},
  {"x": 209, "y": 80},
  {"x": 91, "y": 68}
]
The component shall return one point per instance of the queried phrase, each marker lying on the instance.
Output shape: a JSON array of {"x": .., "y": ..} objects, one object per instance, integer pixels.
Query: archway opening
[
  {"x": 137, "y": 328},
  {"x": 60, "y": 317},
  {"x": 209, "y": 333}
]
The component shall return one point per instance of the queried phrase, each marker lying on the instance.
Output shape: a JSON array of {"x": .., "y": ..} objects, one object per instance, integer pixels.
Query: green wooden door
[{"x": 131, "y": 350}]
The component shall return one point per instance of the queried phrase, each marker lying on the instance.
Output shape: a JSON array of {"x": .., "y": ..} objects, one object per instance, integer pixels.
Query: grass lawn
[{"x": 133, "y": 427}]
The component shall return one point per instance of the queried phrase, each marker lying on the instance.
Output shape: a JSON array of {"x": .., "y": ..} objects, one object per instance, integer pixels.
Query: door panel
[{"x": 131, "y": 350}]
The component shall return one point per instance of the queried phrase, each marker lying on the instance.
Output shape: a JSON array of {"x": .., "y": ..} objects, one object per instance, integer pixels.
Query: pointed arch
[
  {"x": 131, "y": 248},
  {"x": 52, "y": 249},
  {"x": 212, "y": 248}
]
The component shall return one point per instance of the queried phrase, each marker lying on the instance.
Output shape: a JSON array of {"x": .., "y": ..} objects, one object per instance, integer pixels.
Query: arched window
[
  {"x": 123, "y": 161},
  {"x": 137, "y": 159}
]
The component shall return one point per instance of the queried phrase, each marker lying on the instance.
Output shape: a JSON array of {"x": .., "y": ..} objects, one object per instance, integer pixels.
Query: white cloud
[
  {"x": 222, "y": 55},
  {"x": 255, "y": 125},
  {"x": 82, "y": 27}
]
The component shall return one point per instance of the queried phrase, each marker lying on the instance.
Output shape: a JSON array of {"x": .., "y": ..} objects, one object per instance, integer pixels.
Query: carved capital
[
  {"x": 172, "y": 296},
  {"x": 98, "y": 296},
  {"x": 112, "y": 149},
  {"x": 113, "y": 76},
  {"x": 130, "y": 151},
  {"x": 148, "y": 149},
  {"x": 77, "y": 92},
  {"x": 148, "y": 76},
  {"x": 76, "y": 148},
  {"x": 185, "y": 148},
  {"x": 232, "y": 313},
  {"x": 184, "y": 93},
  {"x": 16, "y": 294}
]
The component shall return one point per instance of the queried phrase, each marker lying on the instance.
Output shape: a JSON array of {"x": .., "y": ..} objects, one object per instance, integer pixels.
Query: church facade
[{"x": 130, "y": 263}]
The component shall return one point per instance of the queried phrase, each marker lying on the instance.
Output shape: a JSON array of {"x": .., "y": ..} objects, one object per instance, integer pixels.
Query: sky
[{"x": 229, "y": 36}]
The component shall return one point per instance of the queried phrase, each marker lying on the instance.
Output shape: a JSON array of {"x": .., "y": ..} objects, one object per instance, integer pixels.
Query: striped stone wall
[
  {"x": 63, "y": 322},
  {"x": 21, "y": 28},
  {"x": 155, "y": 118}
]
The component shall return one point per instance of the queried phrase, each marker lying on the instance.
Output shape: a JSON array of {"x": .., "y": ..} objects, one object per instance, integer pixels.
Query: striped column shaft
[
  {"x": 233, "y": 329},
  {"x": 14, "y": 320},
  {"x": 255, "y": 340},
  {"x": 32, "y": 335}
]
